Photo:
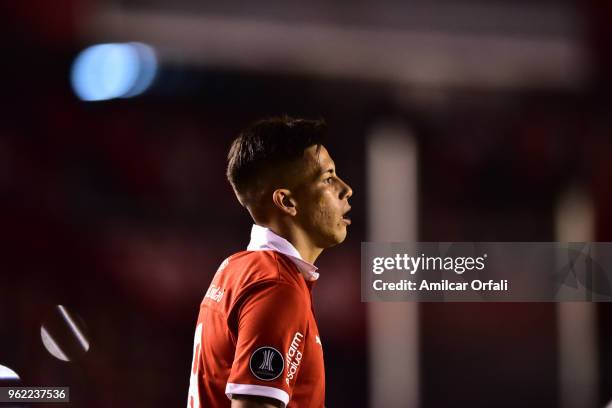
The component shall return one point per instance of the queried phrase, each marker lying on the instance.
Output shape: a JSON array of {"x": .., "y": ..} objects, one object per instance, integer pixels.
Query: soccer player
[{"x": 256, "y": 341}]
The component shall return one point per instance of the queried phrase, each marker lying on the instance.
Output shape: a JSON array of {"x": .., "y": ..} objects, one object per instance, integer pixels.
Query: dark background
[{"x": 120, "y": 211}]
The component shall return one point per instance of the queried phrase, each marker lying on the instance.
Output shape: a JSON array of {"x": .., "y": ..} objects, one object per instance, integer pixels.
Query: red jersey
[{"x": 256, "y": 332}]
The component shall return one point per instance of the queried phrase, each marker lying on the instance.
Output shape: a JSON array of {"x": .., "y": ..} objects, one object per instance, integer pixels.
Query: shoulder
[
  {"x": 264, "y": 285},
  {"x": 254, "y": 267}
]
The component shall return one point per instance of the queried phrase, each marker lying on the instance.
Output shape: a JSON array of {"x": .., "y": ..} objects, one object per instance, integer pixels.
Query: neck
[
  {"x": 308, "y": 253},
  {"x": 298, "y": 239}
]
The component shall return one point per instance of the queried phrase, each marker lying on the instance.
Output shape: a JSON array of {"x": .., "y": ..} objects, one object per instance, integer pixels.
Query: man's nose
[{"x": 347, "y": 191}]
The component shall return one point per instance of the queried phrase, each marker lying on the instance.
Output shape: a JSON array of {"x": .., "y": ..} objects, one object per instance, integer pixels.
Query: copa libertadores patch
[{"x": 267, "y": 363}]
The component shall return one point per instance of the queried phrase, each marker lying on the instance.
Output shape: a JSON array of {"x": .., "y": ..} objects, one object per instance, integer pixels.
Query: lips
[{"x": 345, "y": 217}]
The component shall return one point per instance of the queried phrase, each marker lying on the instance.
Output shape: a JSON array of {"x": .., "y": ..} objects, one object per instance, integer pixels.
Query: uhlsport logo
[{"x": 267, "y": 363}]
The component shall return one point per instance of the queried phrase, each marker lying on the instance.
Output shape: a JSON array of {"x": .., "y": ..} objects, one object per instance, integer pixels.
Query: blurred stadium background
[{"x": 465, "y": 120}]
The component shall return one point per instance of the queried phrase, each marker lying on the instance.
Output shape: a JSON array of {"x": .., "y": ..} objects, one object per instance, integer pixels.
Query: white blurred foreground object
[
  {"x": 63, "y": 338},
  {"x": 6, "y": 374}
]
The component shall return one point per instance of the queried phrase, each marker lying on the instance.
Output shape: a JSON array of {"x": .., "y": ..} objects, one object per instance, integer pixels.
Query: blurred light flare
[
  {"x": 114, "y": 70},
  {"x": 51, "y": 345},
  {"x": 8, "y": 374},
  {"x": 58, "y": 334},
  {"x": 75, "y": 330}
]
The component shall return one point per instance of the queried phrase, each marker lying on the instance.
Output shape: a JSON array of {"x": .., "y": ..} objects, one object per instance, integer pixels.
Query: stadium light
[{"x": 117, "y": 70}]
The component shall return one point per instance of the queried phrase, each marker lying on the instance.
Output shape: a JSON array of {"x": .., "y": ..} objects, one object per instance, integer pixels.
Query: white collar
[{"x": 264, "y": 239}]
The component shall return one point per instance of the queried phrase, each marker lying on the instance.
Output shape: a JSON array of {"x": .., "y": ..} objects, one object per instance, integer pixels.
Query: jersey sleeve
[{"x": 271, "y": 324}]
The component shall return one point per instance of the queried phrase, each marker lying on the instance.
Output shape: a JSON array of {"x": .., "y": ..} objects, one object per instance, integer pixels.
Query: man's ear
[{"x": 284, "y": 201}]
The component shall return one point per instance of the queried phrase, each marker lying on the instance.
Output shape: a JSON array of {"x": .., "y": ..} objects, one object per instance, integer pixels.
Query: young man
[{"x": 257, "y": 342}]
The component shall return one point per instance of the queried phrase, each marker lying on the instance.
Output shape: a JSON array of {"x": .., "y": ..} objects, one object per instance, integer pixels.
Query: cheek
[
  {"x": 326, "y": 210},
  {"x": 322, "y": 210},
  {"x": 325, "y": 214}
]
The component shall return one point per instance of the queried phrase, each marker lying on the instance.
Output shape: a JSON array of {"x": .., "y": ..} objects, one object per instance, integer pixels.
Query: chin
[
  {"x": 333, "y": 239},
  {"x": 340, "y": 237},
  {"x": 331, "y": 236}
]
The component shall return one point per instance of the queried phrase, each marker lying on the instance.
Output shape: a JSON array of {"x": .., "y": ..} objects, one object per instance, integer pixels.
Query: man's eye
[{"x": 328, "y": 180}]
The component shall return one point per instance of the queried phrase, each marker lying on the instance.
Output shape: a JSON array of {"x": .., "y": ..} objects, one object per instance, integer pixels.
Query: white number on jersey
[{"x": 194, "y": 393}]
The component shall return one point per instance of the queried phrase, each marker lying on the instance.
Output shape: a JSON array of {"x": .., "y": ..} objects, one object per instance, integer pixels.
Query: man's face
[{"x": 322, "y": 199}]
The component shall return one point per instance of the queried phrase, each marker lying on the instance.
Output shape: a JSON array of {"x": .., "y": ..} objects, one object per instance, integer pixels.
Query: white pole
[
  {"x": 392, "y": 217},
  {"x": 577, "y": 321}
]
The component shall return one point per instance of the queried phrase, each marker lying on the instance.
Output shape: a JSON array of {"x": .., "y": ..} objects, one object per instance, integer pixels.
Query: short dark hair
[{"x": 267, "y": 145}]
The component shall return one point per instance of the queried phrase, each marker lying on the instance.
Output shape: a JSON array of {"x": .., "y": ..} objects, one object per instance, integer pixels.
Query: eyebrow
[{"x": 330, "y": 170}]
